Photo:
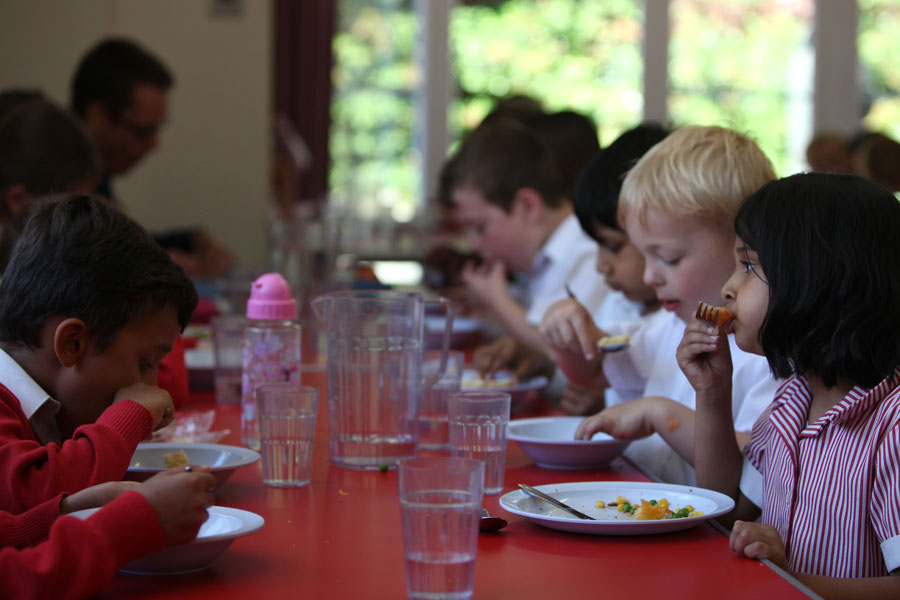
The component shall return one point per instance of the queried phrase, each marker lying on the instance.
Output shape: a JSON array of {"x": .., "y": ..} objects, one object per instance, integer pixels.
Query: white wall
[{"x": 211, "y": 168}]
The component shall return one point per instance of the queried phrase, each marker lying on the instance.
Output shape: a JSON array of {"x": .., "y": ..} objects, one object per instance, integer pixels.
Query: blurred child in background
[
  {"x": 596, "y": 202},
  {"x": 509, "y": 195},
  {"x": 43, "y": 150}
]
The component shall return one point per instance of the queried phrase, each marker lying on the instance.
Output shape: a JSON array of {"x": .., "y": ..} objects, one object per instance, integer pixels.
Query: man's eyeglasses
[{"x": 142, "y": 132}]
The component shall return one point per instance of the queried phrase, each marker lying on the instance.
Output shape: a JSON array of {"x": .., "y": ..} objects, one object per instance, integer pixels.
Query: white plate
[
  {"x": 583, "y": 496},
  {"x": 435, "y": 324},
  {"x": 222, "y": 460},
  {"x": 215, "y": 535},
  {"x": 460, "y": 331},
  {"x": 549, "y": 441},
  {"x": 503, "y": 382}
]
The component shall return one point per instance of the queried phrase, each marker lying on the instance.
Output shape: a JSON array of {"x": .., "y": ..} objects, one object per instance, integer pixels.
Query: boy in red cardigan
[
  {"x": 81, "y": 557},
  {"x": 89, "y": 306}
]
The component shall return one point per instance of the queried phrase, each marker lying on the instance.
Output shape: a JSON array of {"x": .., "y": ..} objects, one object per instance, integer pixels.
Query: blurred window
[
  {"x": 878, "y": 45},
  {"x": 746, "y": 64},
  {"x": 567, "y": 54},
  {"x": 375, "y": 169}
]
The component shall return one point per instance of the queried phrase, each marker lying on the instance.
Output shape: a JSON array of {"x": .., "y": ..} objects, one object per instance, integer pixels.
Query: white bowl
[
  {"x": 524, "y": 394},
  {"x": 216, "y": 534},
  {"x": 147, "y": 460},
  {"x": 550, "y": 442},
  {"x": 462, "y": 329}
]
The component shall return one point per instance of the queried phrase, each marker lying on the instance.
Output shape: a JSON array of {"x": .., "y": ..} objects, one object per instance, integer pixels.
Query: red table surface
[{"x": 340, "y": 537}]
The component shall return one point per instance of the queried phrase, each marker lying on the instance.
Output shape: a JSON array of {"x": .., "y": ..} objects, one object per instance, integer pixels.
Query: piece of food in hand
[
  {"x": 172, "y": 460},
  {"x": 613, "y": 343},
  {"x": 715, "y": 315}
]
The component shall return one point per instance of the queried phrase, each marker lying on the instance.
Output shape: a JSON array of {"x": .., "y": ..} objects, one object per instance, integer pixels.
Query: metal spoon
[
  {"x": 489, "y": 523},
  {"x": 551, "y": 500}
]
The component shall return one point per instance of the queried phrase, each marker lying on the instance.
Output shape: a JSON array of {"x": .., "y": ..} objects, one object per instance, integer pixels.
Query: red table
[{"x": 340, "y": 537}]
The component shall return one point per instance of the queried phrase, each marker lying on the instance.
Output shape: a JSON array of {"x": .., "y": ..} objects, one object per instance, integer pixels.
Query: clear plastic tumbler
[
  {"x": 478, "y": 422},
  {"x": 287, "y": 429},
  {"x": 440, "y": 502}
]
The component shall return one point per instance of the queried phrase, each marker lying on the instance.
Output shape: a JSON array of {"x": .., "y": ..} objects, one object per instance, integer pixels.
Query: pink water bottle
[{"x": 271, "y": 352}]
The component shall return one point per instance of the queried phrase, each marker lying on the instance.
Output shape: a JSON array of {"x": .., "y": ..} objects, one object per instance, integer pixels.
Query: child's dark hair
[
  {"x": 595, "y": 197},
  {"x": 827, "y": 245},
  {"x": 82, "y": 258},
  {"x": 501, "y": 158},
  {"x": 571, "y": 138}
]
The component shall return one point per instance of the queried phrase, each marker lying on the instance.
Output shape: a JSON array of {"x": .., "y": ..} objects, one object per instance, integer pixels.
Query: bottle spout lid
[{"x": 271, "y": 300}]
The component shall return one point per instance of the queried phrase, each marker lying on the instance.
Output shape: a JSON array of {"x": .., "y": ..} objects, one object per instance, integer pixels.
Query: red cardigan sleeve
[
  {"x": 80, "y": 558},
  {"x": 32, "y": 473},
  {"x": 31, "y": 526}
]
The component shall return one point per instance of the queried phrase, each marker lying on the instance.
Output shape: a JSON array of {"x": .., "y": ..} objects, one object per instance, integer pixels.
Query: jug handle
[
  {"x": 445, "y": 342},
  {"x": 317, "y": 305}
]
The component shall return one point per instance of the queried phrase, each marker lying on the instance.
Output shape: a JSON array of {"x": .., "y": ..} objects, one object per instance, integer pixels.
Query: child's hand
[
  {"x": 486, "y": 282},
  {"x": 509, "y": 353},
  {"x": 180, "y": 500},
  {"x": 567, "y": 325},
  {"x": 705, "y": 356},
  {"x": 497, "y": 355},
  {"x": 754, "y": 540},
  {"x": 629, "y": 420},
  {"x": 156, "y": 400},
  {"x": 96, "y": 495},
  {"x": 580, "y": 401}
]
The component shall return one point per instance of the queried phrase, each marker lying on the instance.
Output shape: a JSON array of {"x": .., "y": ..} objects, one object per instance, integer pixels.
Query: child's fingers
[
  {"x": 742, "y": 535},
  {"x": 587, "y": 342},
  {"x": 758, "y": 550},
  {"x": 591, "y": 425}
]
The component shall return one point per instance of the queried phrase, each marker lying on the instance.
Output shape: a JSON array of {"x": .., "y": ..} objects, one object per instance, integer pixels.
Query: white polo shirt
[{"x": 568, "y": 257}]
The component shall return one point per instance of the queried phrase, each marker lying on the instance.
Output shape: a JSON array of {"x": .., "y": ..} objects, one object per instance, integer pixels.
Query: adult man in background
[{"x": 121, "y": 94}]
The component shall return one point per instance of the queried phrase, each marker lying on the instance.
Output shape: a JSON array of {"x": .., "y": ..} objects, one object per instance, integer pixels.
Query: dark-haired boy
[
  {"x": 89, "y": 306},
  {"x": 507, "y": 191}
]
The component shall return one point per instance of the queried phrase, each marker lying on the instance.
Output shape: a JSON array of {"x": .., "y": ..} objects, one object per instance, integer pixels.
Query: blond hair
[{"x": 696, "y": 171}]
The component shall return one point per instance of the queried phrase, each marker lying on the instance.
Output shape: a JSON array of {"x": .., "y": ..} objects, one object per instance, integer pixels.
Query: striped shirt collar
[{"x": 797, "y": 392}]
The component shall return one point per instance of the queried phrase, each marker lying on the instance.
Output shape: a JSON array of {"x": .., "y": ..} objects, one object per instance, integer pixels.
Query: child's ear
[
  {"x": 15, "y": 199},
  {"x": 529, "y": 203},
  {"x": 70, "y": 341}
]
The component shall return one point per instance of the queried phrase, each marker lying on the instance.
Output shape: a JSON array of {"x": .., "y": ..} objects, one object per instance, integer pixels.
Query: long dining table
[{"x": 340, "y": 537}]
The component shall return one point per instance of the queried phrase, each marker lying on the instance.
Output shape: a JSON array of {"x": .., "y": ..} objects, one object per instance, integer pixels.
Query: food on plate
[
  {"x": 500, "y": 380},
  {"x": 172, "y": 460},
  {"x": 611, "y": 343},
  {"x": 650, "y": 510},
  {"x": 715, "y": 315}
]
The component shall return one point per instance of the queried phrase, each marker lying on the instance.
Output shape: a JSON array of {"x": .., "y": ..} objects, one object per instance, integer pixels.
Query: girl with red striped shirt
[{"x": 816, "y": 290}]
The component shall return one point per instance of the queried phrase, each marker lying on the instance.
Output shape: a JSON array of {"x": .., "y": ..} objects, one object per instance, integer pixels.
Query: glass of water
[
  {"x": 433, "y": 426},
  {"x": 478, "y": 422},
  {"x": 287, "y": 429},
  {"x": 440, "y": 502}
]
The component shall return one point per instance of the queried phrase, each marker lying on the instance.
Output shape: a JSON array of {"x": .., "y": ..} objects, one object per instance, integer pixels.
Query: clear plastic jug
[{"x": 375, "y": 344}]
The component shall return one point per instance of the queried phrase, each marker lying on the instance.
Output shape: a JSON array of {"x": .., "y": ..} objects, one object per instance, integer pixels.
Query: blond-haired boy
[{"x": 677, "y": 205}]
